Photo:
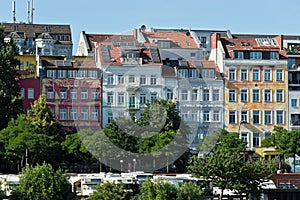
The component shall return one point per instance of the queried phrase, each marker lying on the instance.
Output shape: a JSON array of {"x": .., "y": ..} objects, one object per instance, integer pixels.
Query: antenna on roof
[
  {"x": 28, "y": 11},
  {"x": 32, "y": 9},
  {"x": 14, "y": 10}
]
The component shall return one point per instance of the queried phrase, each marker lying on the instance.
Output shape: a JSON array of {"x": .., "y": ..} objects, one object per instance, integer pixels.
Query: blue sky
[{"x": 119, "y": 16}]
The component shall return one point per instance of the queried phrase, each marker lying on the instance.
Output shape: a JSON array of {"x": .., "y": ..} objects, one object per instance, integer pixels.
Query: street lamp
[
  {"x": 134, "y": 162},
  {"x": 121, "y": 161}
]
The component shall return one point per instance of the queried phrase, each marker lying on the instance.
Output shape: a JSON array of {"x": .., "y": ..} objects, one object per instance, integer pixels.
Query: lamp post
[
  {"x": 134, "y": 162},
  {"x": 121, "y": 162}
]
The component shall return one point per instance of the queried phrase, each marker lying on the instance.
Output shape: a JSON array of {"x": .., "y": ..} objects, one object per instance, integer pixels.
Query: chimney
[
  {"x": 279, "y": 39},
  {"x": 214, "y": 40},
  {"x": 134, "y": 32}
]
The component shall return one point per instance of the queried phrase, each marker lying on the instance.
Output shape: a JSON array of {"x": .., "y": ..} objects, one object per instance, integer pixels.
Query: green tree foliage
[
  {"x": 110, "y": 191},
  {"x": 10, "y": 98},
  {"x": 43, "y": 182},
  {"x": 225, "y": 167}
]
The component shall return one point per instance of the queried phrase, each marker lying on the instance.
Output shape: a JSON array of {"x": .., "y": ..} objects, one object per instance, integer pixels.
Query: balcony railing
[
  {"x": 131, "y": 61},
  {"x": 133, "y": 106}
]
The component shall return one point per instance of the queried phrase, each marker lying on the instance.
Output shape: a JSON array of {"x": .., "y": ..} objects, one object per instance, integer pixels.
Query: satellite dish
[{"x": 188, "y": 33}]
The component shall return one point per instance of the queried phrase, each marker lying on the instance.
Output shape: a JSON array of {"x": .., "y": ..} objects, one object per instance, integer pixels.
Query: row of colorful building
[{"x": 244, "y": 83}]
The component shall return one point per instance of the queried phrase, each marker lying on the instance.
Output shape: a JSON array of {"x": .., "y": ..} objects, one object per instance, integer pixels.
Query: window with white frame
[
  {"x": 216, "y": 95},
  {"x": 206, "y": 95},
  {"x": 72, "y": 73},
  {"x": 244, "y": 116},
  {"x": 142, "y": 79},
  {"x": 142, "y": 99},
  {"x": 244, "y": 95},
  {"x": 120, "y": 79},
  {"x": 92, "y": 74},
  {"x": 255, "y": 55},
  {"x": 280, "y": 95},
  {"x": 84, "y": 94},
  {"x": 62, "y": 73},
  {"x": 63, "y": 94},
  {"x": 132, "y": 103},
  {"x": 110, "y": 98},
  {"x": 194, "y": 95},
  {"x": 95, "y": 94},
  {"x": 95, "y": 114},
  {"x": 255, "y": 74},
  {"x": 208, "y": 73},
  {"x": 238, "y": 55},
  {"x": 153, "y": 96},
  {"x": 267, "y": 134},
  {"x": 232, "y": 74},
  {"x": 279, "y": 117},
  {"x": 110, "y": 118},
  {"x": 73, "y": 114},
  {"x": 232, "y": 95},
  {"x": 153, "y": 80},
  {"x": 294, "y": 102},
  {"x": 184, "y": 95},
  {"x": 279, "y": 75},
  {"x": 110, "y": 79},
  {"x": 50, "y": 93},
  {"x": 216, "y": 115},
  {"x": 267, "y": 74},
  {"x": 169, "y": 94},
  {"x": 268, "y": 95},
  {"x": 274, "y": 55},
  {"x": 121, "y": 97},
  {"x": 268, "y": 117},
  {"x": 84, "y": 114},
  {"x": 256, "y": 139},
  {"x": 194, "y": 73},
  {"x": 256, "y": 95},
  {"x": 63, "y": 114},
  {"x": 183, "y": 73},
  {"x": 51, "y": 73},
  {"x": 194, "y": 116},
  {"x": 73, "y": 93},
  {"x": 30, "y": 94},
  {"x": 232, "y": 116},
  {"x": 256, "y": 116},
  {"x": 244, "y": 137},
  {"x": 244, "y": 74},
  {"x": 131, "y": 79},
  {"x": 82, "y": 73},
  {"x": 206, "y": 115}
]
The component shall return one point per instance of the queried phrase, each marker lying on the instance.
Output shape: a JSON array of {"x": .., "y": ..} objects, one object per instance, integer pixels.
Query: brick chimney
[{"x": 214, "y": 40}]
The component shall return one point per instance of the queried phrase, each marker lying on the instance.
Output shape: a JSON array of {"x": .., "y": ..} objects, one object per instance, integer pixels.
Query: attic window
[
  {"x": 231, "y": 44},
  {"x": 188, "y": 44},
  {"x": 47, "y": 28},
  {"x": 15, "y": 28}
]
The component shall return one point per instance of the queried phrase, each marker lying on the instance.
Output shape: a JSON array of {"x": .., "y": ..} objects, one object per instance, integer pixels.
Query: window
[
  {"x": 294, "y": 102},
  {"x": 203, "y": 41},
  {"x": 95, "y": 94},
  {"x": 206, "y": 115},
  {"x": 82, "y": 74},
  {"x": 73, "y": 93},
  {"x": 184, "y": 95},
  {"x": 121, "y": 98},
  {"x": 110, "y": 98},
  {"x": 110, "y": 118},
  {"x": 92, "y": 74},
  {"x": 51, "y": 73},
  {"x": 255, "y": 95},
  {"x": 131, "y": 79},
  {"x": 30, "y": 93},
  {"x": 244, "y": 95},
  {"x": 231, "y": 97},
  {"x": 255, "y": 74},
  {"x": 256, "y": 116},
  {"x": 84, "y": 94},
  {"x": 238, "y": 55},
  {"x": 231, "y": 75},
  {"x": 216, "y": 95},
  {"x": 267, "y": 74},
  {"x": 232, "y": 116},
  {"x": 279, "y": 74},
  {"x": 193, "y": 55},
  {"x": 183, "y": 73},
  {"x": 142, "y": 99},
  {"x": 62, "y": 73},
  {"x": 132, "y": 101},
  {"x": 244, "y": 116},
  {"x": 63, "y": 94},
  {"x": 120, "y": 79},
  {"x": 142, "y": 79},
  {"x": 206, "y": 95},
  {"x": 255, "y": 55},
  {"x": 216, "y": 115},
  {"x": 244, "y": 137},
  {"x": 22, "y": 93},
  {"x": 194, "y": 73},
  {"x": 194, "y": 95},
  {"x": 267, "y": 134},
  {"x": 268, "y": 117},
  {"x": 94, "y": 115},
  {"x": 169, "y": 94},
  {"x": 153, "y": 80},
  {"x": 84, "y": 114},
  {"x": 73, "y": 114},
  {"x": 50, "y": 93},
  {"x": 279, "y": 117},
  {"x": 256, "y": 139},
  {"x": 110, "y": 79},
  {"x": 268, "y": 95},
  {"x": 274, "y": 55},
  {"x": 208, "y": 73},
  {"x": 153, "y": 95},
  {"x": 63, "y": 114},
  {"x": 280, "y": 95},
  {"x": 244, "y": 74},
  {"x": 72, "y": 73}
]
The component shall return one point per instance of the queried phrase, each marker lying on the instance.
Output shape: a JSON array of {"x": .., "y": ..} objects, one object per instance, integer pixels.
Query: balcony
[
  {"x": 133, "y": 87},
  {"x": 295, "y": 121},
  {"x": 131, "y": 61},
  {"x": 133, "y": 106}
]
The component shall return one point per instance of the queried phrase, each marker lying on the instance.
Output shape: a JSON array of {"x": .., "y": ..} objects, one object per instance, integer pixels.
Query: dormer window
[
  {"x": 274, "y": 55},
  {"x": 164, "y": 44},
  {"x": 238, "y": 55},
  {"x": 130, "y": 55},
  {"x": 255, "y": 55},
  {"x": 208, "y": 73}
]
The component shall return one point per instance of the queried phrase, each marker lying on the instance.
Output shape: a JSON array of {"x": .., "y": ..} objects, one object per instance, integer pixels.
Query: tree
[
  {"x": 43, "y": 182},
  {"x": 110, "y": 191},
  {"x": 9, "y": 85},
  {"x": 224, "y": 166}
]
